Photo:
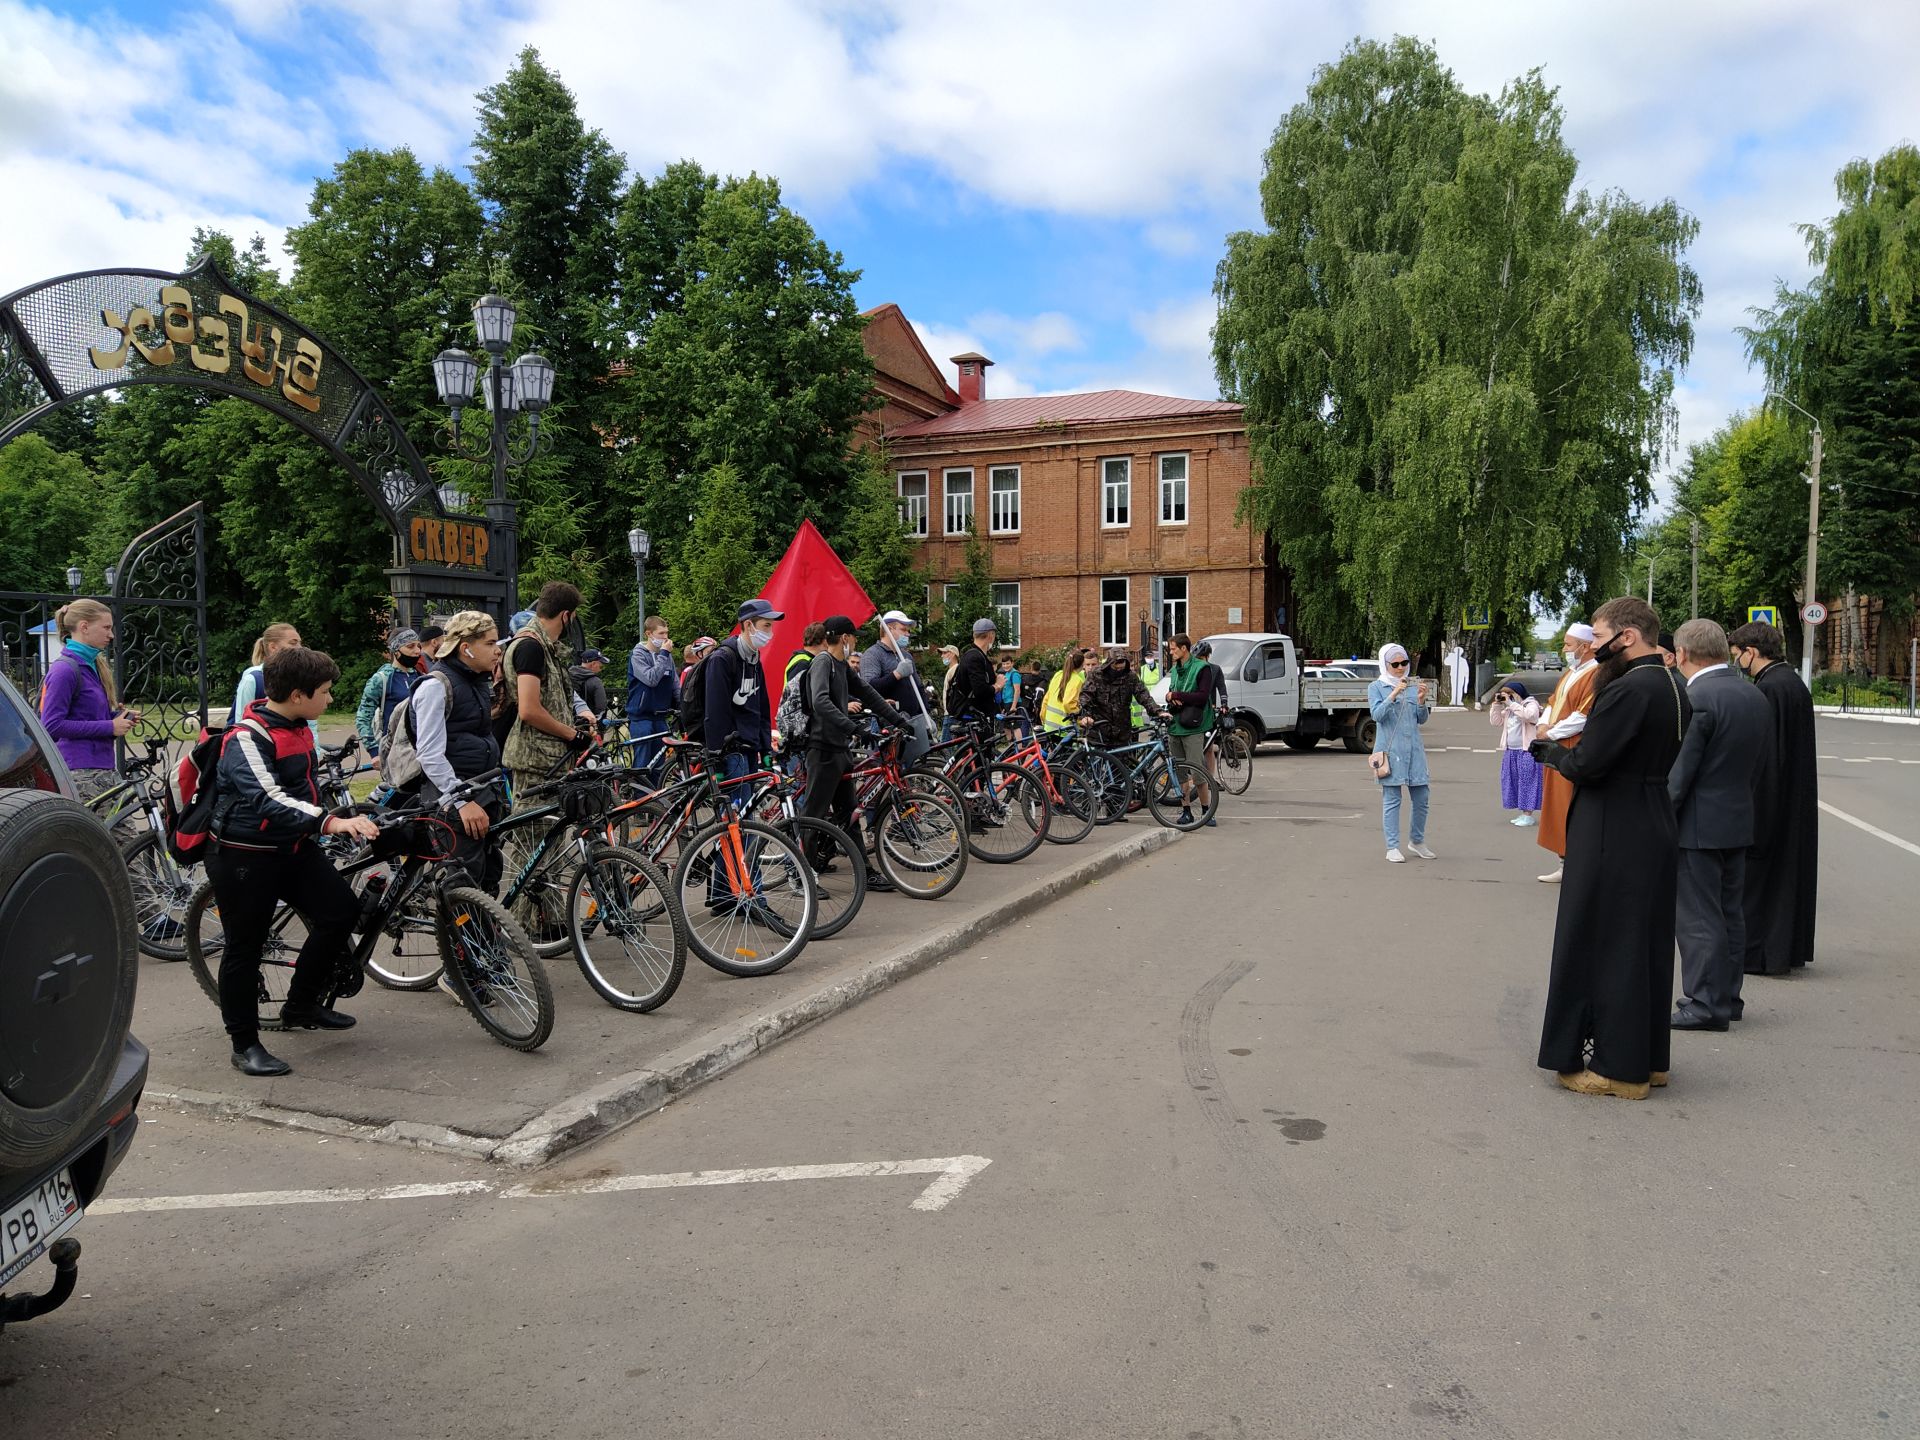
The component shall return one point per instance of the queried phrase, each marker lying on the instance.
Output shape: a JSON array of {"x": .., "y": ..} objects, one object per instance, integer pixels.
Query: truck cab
[{"x": 1275, "y": 700}]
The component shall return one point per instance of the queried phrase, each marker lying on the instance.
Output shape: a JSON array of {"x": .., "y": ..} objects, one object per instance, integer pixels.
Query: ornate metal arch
[{"x": 97, "y": 330}]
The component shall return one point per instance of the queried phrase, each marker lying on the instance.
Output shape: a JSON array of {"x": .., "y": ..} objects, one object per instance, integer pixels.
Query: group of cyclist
[{"x": 454, "y": 704}]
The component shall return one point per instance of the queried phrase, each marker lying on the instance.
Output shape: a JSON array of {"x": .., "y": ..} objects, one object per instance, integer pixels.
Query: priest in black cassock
[
  {"x": 1783, "y": 865},
  {"x": 1606, "y": 1030}
]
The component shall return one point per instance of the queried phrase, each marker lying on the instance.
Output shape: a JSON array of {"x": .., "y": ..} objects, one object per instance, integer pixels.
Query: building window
[
  {"x": 959, "y": 484},
  {"x": 1006, "y": 612},
  {"x": 1173, "y": 607},
  {"x": 913, "y": 501},
  {"x": 1003, "y": 500},
  {"x": 1116, "y": 494},
  {"x": 1113, "y": 612},
  {"x": 1173, "y": 489}
]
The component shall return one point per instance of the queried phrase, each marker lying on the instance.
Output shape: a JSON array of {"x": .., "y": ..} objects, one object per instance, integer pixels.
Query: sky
[{"x": 1049, "y": 183}]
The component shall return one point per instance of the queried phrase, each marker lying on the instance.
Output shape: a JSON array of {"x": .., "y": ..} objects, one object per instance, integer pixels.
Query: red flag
[{"x": 810, "y": 583}]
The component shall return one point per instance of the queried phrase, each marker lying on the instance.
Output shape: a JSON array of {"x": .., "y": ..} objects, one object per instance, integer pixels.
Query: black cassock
[
  {"x": 1612, "y": 979},
  {"x": 1782, "y": 866}
]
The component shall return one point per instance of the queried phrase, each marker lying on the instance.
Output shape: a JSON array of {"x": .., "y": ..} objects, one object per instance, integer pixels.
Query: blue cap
[{"x": 759, "y": 610}]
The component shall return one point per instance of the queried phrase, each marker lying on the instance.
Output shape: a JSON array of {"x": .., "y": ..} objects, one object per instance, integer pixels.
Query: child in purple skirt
[{"x": 1518, "y": 715}]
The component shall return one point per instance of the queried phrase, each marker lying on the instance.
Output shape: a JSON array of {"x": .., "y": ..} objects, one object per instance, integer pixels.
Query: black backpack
[{"x": 693, "y": 699}]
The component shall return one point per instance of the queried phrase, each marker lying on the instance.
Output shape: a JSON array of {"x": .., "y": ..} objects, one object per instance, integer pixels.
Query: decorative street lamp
[
  {"x": 75, "y": 579},
  {"x": 523, "y": 387},
  {"x": 111, "y": 572},
  {"x": 641, "y": 546}
]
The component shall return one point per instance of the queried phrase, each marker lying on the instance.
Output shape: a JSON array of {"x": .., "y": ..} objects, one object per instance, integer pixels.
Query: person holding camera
[
  {"x": 1400, "y": 705},
  {"x": 1517, "y": 714}
]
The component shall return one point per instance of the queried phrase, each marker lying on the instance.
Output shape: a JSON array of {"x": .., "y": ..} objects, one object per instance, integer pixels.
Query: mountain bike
[
  {"x": 1232, "y": 752},
  {"x": 1007, "y": 808},
  {"x": 919, "y": 843},
  {"x": 136, "y": 810},
  {"x": 484, "y": 954},
  {"x": 1147, "y": 771}
]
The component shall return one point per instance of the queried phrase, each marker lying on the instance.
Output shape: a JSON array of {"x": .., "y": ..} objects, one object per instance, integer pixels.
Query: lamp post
[
  {"x": 1813, "y": 541},
  {"x": 525, "y": 386},
  {"x": 640, "y": 545},
  {"x": 75, "y": 578}
]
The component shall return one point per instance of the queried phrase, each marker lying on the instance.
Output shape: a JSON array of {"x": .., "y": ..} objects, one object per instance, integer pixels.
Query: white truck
[{"x": 1275, "y": 701}]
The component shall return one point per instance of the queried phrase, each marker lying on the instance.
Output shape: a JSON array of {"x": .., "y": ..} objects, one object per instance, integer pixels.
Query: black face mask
[{"x": 1606, "y": 652}]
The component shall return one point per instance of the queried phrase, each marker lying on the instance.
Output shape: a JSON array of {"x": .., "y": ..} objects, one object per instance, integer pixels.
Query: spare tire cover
[{"x": 68, "y": 967}]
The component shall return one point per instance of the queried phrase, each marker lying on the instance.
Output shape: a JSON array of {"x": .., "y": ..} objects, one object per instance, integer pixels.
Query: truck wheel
[
  {"x": 1296, "y": 741},
  {"x": 1360, "y": 739},
  {"x": 69, "y": 960}
]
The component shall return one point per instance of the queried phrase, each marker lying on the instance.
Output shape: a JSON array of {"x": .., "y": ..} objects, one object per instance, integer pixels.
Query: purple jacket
[{"x": 75, "y": 711}]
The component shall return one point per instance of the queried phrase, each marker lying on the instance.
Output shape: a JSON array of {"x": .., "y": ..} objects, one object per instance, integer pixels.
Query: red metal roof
[{"x": 1096, "y": 407}]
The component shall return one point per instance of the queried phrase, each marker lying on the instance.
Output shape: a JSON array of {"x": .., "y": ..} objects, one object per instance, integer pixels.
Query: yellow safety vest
[{"x": 1063, "y": 697}]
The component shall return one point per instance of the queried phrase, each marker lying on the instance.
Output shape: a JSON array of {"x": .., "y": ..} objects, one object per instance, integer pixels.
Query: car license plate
[{"x": 42, "y": 1217}]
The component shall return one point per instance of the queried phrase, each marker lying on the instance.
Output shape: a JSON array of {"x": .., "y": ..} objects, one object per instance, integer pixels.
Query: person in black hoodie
[
  {"x": 837, "y": 699},
  {"x": 975, "y": 695},
  {"x": 266, "y": 815},
  {"x": 737, "y": 725}
]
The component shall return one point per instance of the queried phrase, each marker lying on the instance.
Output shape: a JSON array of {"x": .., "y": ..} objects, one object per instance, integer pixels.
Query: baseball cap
[
  {"x": 588, "y": 657},
  {"x": 400, "y": 639},
  {"x": 985, "y": 627},
  {"x": 838, "y": 625},
  {"x": 949, "y": 649},
  {"x": 758, "y": 610},
  {"x": 897, "y": 617}
]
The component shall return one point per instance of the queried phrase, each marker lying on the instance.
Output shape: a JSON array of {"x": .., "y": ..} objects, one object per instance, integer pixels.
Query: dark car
[{"x": 70, "y": 1073}]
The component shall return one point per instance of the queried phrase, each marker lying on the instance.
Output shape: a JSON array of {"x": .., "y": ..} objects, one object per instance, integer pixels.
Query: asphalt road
[{"x": 1268, "y": 1156}]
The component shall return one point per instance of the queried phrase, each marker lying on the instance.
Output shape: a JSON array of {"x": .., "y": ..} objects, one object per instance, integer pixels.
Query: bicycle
[
  {"x": 1007, "y": 808},
  {"x": 1071, "y": 795},
  {"x": 1163, "y": 784},
  {"x": 1232, "y": 750},
  {"x": 919, "y": 843},
  {"x": 773, "y": 799},
  {"x": 161, "y": 887},
  {"x": 485, "y": 955}
]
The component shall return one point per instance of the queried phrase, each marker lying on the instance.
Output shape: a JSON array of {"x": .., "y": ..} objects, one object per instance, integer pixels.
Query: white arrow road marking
[
  {"x": 1873, "y": 830},
  {"x": 951, "y": 1172}
]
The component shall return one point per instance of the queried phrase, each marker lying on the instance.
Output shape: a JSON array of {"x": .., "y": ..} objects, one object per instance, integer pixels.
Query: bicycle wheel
[
  {"x": 1112, "y": 787},
  {"x": 540, "y": 901},
  {"x": 206, "y": 943},
  {"x": 1074, "y": 805},
  {"x": 161, "y": 894},
  {"x": 748, "y": 896},
  {"x": 408, "y": 957},
  {"x": 1234, "y": 762},
  {"x": 491, "y": 965},
  {"x": 628, "y": 941},
  {"x": 920, "y": 845},
  {"x": 937, "y": 785},
  {"x": 1007, "y": 813},
  {"x": 839, "y": 871},
  {"x": 1167, "y": 794}
]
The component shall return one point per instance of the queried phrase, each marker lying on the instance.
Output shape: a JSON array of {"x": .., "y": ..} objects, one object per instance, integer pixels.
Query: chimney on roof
[{"x": 973, "y": 376}]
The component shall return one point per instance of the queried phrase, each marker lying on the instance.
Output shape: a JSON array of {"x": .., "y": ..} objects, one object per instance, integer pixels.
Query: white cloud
[
  {"x": 1004, "y": 381},
  {"x": 1045, "y": 334}
]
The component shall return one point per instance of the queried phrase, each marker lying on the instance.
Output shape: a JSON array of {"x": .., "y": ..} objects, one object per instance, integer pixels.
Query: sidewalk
[
  {"x": 1891, "y": 717},
  {"x": 417, "y": 1070}
]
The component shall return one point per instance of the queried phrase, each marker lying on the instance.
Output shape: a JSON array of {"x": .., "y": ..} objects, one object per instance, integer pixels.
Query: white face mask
[{"x": 1571, "y": 658}]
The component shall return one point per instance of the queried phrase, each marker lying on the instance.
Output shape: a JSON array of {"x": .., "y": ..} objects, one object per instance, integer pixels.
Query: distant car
[
  {"x": 71, "y": 1075},
  {"x": 1539, "y": 682},
  {"x": 1351, "y": 668}
]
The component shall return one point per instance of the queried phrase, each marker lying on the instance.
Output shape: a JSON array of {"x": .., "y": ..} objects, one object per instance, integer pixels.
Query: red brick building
[{"x": 1097, "y": 507}]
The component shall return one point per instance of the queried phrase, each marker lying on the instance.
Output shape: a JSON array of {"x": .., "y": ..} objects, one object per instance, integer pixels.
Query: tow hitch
[{"x": 65, "y": 1254}]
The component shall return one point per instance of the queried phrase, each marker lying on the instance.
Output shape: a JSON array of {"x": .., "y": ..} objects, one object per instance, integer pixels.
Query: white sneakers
[
  {"x": 1525, "y": 820},
  {"x": 1423, "y": 852},
  {"x": 1553, "y": 879},
  {"x": 1394, "y": 857}
]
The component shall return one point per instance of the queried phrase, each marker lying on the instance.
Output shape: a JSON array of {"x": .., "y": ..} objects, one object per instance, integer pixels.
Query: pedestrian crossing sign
[
  {"x": 1476, "y": 617},
  {"x": 1764, "y": 615}
]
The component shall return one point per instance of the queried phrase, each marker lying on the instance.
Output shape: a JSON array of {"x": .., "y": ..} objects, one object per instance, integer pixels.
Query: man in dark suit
[{"x": 1712, "y": 787}]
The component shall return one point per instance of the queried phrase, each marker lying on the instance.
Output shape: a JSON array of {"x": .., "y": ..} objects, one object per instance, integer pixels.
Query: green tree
[
  {"x": 875, "y": 542},
  {"x": 48, "y": 501},
  {"x": 759, "y": 365},
  {"x": 969, "y": 595},
  {"x": 1457, "y": 369},
  {"x": 720, "y": 564}
]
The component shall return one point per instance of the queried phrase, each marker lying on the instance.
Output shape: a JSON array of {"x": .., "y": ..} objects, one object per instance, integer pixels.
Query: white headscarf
[{"x": 1391, "y": 651}]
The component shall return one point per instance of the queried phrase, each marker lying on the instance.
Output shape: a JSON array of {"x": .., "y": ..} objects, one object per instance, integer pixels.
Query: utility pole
[
  {"x": 1693, "y": 536},
  {"x": 1813, "y": 563}
]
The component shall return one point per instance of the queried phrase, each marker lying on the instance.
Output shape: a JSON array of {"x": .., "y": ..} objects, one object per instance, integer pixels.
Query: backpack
[
  {"x": 693, "y": 699},
  {"x": 188, "y": 802},
  {"x": 796, "y": 711},
  {"x": 399, "y": 760}
]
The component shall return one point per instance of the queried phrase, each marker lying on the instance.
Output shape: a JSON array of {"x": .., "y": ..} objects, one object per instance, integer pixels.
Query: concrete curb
[
  {"x": 614, "y": 1104},
  {"x": 1834, "y": 712}
]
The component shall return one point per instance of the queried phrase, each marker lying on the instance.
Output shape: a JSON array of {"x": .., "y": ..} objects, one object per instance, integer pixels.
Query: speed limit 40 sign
[{"x": 1813, "y": 612}]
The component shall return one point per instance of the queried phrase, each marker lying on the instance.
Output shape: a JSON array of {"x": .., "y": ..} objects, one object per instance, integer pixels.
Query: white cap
[
  {"x": 1580, "y": 631},
  {"x": 897, "y": 617}
]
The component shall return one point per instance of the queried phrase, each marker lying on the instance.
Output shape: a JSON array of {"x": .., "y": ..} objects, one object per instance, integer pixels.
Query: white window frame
[
  {"x": 1123, "y": 487},
  {"x": 1111, "y": 634},
  {"x": 1008, "y": 616},
  {"x": 1175, "y": 614},
  {"x": 913, "y": 516},
  {"x": 999, "y": 515},
  {"x": 948, "y": 495},
  {"x": 1167, "y": 484}
]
